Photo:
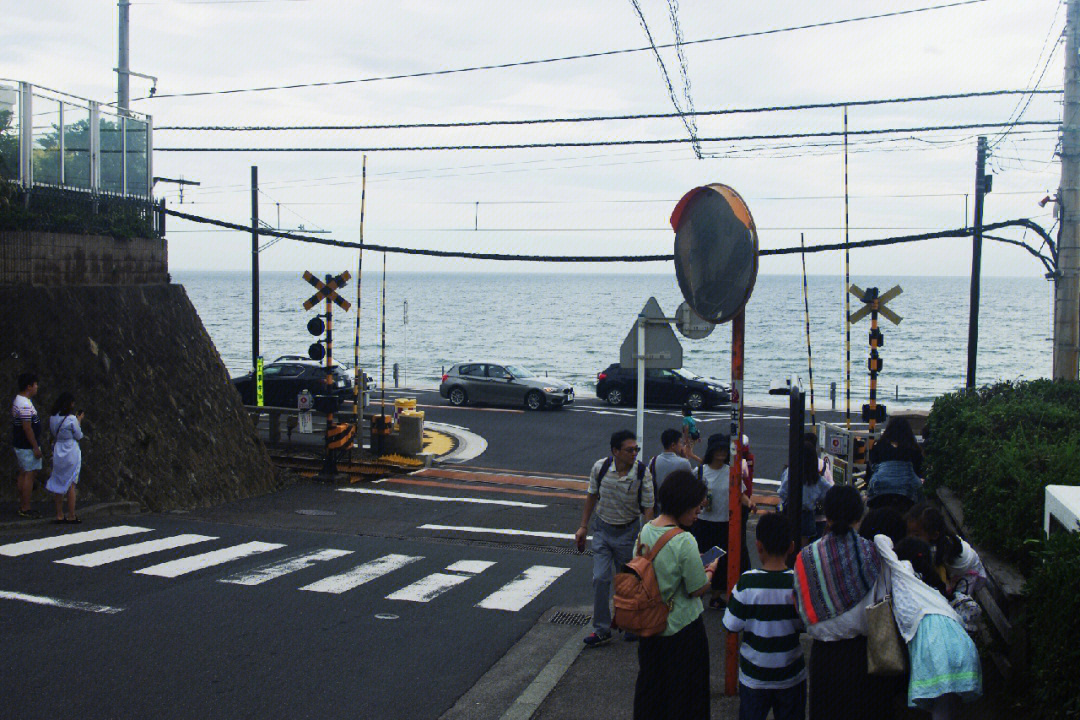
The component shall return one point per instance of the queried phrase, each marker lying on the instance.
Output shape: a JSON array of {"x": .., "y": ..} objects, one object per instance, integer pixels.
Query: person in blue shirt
[{"x": 813, "y": 493}]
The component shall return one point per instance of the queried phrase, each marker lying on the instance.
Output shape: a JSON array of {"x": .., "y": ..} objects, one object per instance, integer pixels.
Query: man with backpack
[
  {"x": 668, "y": 461},
  {"x": 620, "y": 491}
]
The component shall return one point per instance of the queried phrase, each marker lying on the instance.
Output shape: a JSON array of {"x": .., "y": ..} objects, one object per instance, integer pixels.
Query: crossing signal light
[{"x": 316, "y": 327}]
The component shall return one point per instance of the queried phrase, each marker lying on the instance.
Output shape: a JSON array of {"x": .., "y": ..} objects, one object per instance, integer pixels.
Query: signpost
[
  {"x": 650, "y": 344},
  {"x": 716, "y": 261}
]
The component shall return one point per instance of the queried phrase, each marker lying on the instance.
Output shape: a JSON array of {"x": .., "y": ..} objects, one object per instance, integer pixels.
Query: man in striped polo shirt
[{"x": 772, "y": 674}]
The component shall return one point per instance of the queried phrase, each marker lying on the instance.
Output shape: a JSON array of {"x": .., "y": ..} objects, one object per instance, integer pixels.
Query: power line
[
  {"x": 564, "y": 58},
  {"x": 606, "y": 118},
  {"x": 610, "y": 143}
]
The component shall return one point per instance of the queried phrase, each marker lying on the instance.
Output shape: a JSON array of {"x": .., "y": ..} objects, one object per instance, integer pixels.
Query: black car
[
  {"x": 618, "y": 386},
  {"x": 283, "y": 381}
]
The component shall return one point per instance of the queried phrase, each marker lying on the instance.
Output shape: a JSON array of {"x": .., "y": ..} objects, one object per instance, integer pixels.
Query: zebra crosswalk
[{"x": 342, "y": 570}]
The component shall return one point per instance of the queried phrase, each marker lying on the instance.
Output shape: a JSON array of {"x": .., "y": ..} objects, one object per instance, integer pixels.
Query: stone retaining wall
[{"x": 51, "y": 259}]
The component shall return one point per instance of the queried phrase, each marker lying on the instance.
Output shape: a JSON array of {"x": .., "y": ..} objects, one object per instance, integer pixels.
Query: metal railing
[{"x": 51, "y": 138}]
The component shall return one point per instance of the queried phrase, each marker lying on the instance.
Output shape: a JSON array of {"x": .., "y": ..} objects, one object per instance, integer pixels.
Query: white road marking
[
  {"x": 470, "y": 445},
  {"x": 763, "y": 481},
  {"x": 499, "y": 531},
  {"x": 470, "y": 566},
  {"x": 276, "y": 570},
  {"x": 103, "y": 557},
  {"x": 175, "y": 568},
  {"x": 441, "y": 498},
  {"x": 55, "y": 602},
  {"x": 428, "y": 588},
  {"x": 523, "y": 589},
  {"x": 361, "y": 574},
  {"x": 58, "y": 541}
]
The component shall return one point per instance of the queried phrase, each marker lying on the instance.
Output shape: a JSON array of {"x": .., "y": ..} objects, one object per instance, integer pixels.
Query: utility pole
[
  {"x": 982, "y": 186},
  {"x": 1067, "y": 278},
  {"x": 255, "y": 265},
  {"x": 123, "y": 71}
]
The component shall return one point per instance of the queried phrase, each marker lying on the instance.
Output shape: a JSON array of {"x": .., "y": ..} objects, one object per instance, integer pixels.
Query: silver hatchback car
[{"x": 503, "y": 384}]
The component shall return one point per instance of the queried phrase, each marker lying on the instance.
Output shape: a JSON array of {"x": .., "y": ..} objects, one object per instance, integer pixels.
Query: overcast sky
[{"x": 563, "y": 201}]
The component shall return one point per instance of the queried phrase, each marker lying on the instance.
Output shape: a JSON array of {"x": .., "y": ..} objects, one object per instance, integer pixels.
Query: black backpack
[{"x": 640, "y": 476}]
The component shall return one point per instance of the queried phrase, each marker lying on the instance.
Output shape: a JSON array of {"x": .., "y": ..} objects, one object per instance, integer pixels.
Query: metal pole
[
  {"x": 847, "y": 285},
  {"x": 1067, "y": 278},
  {"x": 405, "y": 323},
  {"x": 359, "y": 387},
  {"x": 806, "y": 314},
  {"x": 329, "y": 466},
  {"x": 382, "y": 383},
  {"x": 640, "y": 414},
  {"x": 874, "y": 364},
  {"x": 254, "y": 265},
  {"x": 735, "y": 529},
  {"x": 796, "y": 421},
  {"x": 976, "y": 263},
  {"x": 123, "y": 71}
]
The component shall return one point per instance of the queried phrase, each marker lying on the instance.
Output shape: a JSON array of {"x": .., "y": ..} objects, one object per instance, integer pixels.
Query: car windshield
[
  {"x": 518, "y": 372},
  {"x": 687, "y": 374}
]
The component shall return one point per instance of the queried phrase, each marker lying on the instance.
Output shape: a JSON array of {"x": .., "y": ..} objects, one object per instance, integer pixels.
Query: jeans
[
  {"x": 612, "y": 548},
  {"x": 786, "y": 704}
]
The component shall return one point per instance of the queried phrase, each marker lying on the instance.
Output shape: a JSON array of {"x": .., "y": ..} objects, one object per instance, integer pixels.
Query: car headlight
[{"x": 550, "y": 390}]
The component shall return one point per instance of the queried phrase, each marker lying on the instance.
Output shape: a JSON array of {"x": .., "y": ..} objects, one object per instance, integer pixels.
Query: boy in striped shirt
[{"x": 772, "y": 674}]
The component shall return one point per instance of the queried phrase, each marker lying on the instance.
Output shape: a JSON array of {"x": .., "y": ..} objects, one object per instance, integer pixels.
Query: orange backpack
[{"x": 639, "y": 607}]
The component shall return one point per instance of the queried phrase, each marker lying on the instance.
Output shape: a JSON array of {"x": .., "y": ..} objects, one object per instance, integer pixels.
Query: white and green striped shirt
[{"x": 762, "y": 607}]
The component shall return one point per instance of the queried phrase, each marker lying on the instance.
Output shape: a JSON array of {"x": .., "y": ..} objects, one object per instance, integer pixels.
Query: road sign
[
  {"x": 690, "y": 324},
  {"x": 259, "y": 397},
  {"x": 662, "y": 348},
  {"x": 716, "y": 251},
  {"x": 305, "y": 422},
  {"x": 327, "y": 290}
]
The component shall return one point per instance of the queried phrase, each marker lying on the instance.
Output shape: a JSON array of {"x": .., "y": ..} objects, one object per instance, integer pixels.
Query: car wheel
[
  {"x": 615, "y": 397},
  {"x": 534, "y": 400},
  {"x": 457, "y": 396},
  {"x": 695, "y": 400}
]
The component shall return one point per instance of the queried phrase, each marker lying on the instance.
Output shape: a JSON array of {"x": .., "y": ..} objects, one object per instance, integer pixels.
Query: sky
[{"x": 581, "y": 201}]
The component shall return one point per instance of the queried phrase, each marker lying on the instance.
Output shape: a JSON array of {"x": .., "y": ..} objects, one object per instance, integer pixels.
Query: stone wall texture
[
  {"x": 51, "y": 259},
  {"x": 164, "y": 425}
]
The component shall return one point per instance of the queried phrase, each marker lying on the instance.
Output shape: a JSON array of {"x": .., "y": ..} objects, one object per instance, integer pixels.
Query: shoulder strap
[
  {"x": 663, "y": 541},
  {"x": 652, "y": 467},
  {"x": 701, "y": 472},
  {"x": 640, "y": 479},
  {"x": 603, "y": 471}
]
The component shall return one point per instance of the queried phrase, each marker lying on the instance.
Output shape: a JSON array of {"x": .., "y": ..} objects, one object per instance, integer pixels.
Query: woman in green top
[{"x": 673, "y": 667}]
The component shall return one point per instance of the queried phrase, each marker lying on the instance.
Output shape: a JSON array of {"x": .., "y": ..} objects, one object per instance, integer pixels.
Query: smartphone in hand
[{"x": 713, "y": 553}]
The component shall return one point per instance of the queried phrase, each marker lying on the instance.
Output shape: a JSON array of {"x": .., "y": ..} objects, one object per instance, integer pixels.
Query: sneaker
[
  {"x": 597, "y": 639},
  {"x": 630, "y": 637}
]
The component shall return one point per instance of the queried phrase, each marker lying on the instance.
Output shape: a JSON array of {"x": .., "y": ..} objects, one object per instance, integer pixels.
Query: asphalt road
[{"x": 458, "y": 562}]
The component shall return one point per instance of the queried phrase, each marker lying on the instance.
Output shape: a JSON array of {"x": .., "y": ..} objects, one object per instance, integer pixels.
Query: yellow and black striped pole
[
  {"x": 382, "y": 377},
  {"x": 330, "y": 465},
  {"x": 806, "y": 315},
  {"x": 874, "y": 365},
  {"x": 847, "y": 284},
  {"x": 359, "y": 387}
]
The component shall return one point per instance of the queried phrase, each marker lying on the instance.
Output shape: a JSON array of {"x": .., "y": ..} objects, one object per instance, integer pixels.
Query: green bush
[
  {"x": 998, "y": 448},
  {"x": 47, "y": 209},
  {"x": 1053, "y": 625}
]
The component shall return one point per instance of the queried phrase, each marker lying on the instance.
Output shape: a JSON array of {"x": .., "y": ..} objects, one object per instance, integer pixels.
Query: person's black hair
[
  {"x": 64, "y": 404},
  {"x": 687, "y": 411},
  {"x": 620, "y": 436},
  {"x": 918, "y": 554},
  {"x": 930, "y": 519},
  {"x": 717, "y": 441},
  {"x": 774, "y": 534},
  {"x": 843, "y": 508},
  {"x": 884, "y": 521},
  {"x": 811, "y": 476},
  {"x": 680, "y": 492},
  {"x": 898, "y": 430},
  {"x": 669, "y": 437},
  {"x": 26, "y": 380}
]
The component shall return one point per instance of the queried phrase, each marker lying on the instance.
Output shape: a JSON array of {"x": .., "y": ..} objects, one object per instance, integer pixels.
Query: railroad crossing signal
[
  {"x": 874, "y": 304},
  {"x": 328, "y": 290}
]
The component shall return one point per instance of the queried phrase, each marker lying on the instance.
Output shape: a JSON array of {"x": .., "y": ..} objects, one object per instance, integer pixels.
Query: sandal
[
  {"x": 59, "y": 521},
  {"x": 73, "y": 521}
]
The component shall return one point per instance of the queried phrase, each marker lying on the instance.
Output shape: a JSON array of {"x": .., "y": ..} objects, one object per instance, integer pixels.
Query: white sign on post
[{"x": 650, "y": 344}]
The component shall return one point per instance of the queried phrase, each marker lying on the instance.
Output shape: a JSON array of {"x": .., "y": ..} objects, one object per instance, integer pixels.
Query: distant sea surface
[{"x": 572, "y": 325}]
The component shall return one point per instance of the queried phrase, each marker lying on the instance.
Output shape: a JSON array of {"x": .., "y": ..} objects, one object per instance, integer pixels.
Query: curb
[{"x": 108, "y": 509}]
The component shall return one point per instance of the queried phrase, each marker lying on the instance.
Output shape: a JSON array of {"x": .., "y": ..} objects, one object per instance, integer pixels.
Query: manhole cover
[
  {"x": 570, "y": 618},
  {"x": 385, "y": 616},
  {"x": 315, "y": 512}
]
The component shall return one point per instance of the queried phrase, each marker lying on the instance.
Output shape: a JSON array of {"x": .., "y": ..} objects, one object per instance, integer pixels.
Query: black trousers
[
  {"x": 840, "y": 687},
  {"x": 673, "y": 676}
]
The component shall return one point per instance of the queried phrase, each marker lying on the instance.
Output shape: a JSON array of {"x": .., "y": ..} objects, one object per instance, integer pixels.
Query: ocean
[{"x": 572, "y": 325}]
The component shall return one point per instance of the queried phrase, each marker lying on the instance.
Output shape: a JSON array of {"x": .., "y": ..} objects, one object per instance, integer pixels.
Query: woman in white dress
[{"x": 67, "y": 456}]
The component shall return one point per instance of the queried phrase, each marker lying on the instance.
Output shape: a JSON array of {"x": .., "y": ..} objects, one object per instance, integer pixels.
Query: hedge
[
  {"x": 48, "y": 209},
  {"x": 1053, "y": 626},
  {"x": 998, "y": 448}
]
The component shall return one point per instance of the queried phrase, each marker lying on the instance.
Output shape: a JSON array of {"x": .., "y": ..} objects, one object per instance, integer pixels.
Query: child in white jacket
[{"x": 944, "y": 662}]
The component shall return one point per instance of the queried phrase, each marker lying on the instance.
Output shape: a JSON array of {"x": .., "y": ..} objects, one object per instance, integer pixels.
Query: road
[{"x": 382, "y": 600}]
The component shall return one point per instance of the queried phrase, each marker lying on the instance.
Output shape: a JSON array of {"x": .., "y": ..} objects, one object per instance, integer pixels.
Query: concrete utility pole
[
  {"x": 254, "y": 265},
  {"x": 1067, "y": 281},
  {"x": 982, "y": 186},
  {"x": 123, "y": 71}
]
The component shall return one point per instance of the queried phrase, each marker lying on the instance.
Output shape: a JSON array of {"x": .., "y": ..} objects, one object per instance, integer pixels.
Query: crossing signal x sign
[
  {"x": 869, "y": 297},
  {"x": 327, "y": 290}
]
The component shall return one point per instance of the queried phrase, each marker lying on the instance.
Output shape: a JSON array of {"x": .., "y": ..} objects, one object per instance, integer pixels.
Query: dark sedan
[
  {"x": 618, "y": 386},
  {"x": 284, "y": 381}
]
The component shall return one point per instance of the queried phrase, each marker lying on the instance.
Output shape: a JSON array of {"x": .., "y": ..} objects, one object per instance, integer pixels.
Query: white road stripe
[
  {"x": 523, "y": 589},
  {"x": 55, "y": 602},
  {"x": 361, "y": 574},
  {"x": 276, "y": 570},
  {"x": 441, "y": 498},
  {"x": 436, "y": 584},
  {"x": 58, "y": 541},
  {"x": 499, "y": 531},
  {"x": 175, "y": 568},
  {"x": 763, "y": 481},
  {"x": 103, "y": 557}
]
